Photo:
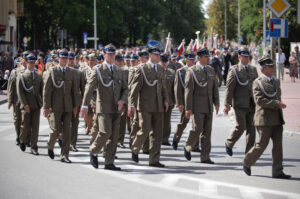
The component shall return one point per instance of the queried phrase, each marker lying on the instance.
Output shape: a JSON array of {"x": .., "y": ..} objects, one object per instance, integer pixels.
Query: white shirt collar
[
  {"x": 63, "y": 68},
  {"x": 268, "y": 78},
  {"x": 201, "y": 66},
  {"x": 108, "y": 65},
  {"x": 152, "y": 65},
  {"x": 244, "y": 67}
]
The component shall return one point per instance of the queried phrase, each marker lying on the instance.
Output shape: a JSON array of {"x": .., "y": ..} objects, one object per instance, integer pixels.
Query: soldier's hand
[
  {"x": 83, "y": 112},
  {"x": 282, "y": 105},
  {"x": 75, "y": 111},
  {"x": 131, "y": 111},
  {"x": 188, "y": 114},
  {"x": 166, "y": 106},
  {"x": 217, "y": 109},
  {"x": 27, "y": 109},
  {"x": 9, "y": 105},
  {"x": 120, "y": 105},
  {"x": 180, "y": 107},
  {"x": 46, "y": 112},
  {"x": 226, "y": 109}
]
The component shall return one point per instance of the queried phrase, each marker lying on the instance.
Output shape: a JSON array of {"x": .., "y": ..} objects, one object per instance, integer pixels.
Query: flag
[
  {"x": 196, "y": 44},
  {"x": 190, "y": 46},
  {"x": 181, "y": 47}
]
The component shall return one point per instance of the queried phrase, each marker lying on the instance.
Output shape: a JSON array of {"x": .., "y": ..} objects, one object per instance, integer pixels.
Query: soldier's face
[
  {"x": 155, "y": 58},
  {"x": 190, "y": 62},
  {"x": 144, "y": 59},
  {"x": 30, "y": 65},
  {"x": 63, "y": 61},
  {"x": 244, "y": 60},
  {"x": 134, "y": 62},
  {"x": 92, "y": 62},
  {"x": 268, "y": 70},
  {"x": 203, "y": 60},
  {"x": 110, "y": 57},
  {"x": 71, "y": 62}
]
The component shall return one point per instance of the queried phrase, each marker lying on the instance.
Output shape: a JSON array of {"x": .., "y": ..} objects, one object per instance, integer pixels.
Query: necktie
[
  {"x": 112, "y": 70},
  {"x": 32, "y": 75},
  {"x": 64, "y": 72},
  {"x": 155, "y": 67}
]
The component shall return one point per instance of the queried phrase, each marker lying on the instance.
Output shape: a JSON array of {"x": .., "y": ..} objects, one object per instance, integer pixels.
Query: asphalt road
[{"x": 23, "y": 175}]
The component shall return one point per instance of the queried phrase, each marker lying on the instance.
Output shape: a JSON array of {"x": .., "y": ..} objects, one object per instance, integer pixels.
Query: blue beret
[{"x": 203, "y": 52}]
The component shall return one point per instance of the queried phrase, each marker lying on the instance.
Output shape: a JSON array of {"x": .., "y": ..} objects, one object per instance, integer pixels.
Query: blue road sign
[
  {"x": 100, "y": 46},
  {"x": 278, "y": 28},
  {"x": 268, "y": 39},
  {"x": 85, "y": 38}
]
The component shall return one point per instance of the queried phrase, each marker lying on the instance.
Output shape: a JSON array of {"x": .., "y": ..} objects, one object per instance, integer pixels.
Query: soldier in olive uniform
[
  {"x": 149, "y": 96},
  {"x": 30, "y": 91},
  {"x": 234, "y": 57},
  {"x": 238, "y": 95},
  {"x": 201, "y": 93},
  {"x": 268, "y": 119},
  {"x": 112, "y": 94},
  {"x": 13, "y": 99},
  {"x": 169, "y": 81},
  {"x": 60, "y": 97},
  {"x": 81, "y": 84},
  {"x": 179, "y": 86}
]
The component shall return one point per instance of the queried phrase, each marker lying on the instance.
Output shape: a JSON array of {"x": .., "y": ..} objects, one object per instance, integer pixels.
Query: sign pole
[
  {"x": 278, "y": 59},
  {"x": 264, "y": 43}
]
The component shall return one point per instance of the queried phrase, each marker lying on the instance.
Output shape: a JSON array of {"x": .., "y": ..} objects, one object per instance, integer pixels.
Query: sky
[{"x": 205, "y": 5}]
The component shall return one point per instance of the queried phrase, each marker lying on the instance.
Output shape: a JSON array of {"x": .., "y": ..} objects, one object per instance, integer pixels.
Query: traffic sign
[
  {"x": 268, "y": 39},
  {"x": 278, "y": 7},
  {"x": 279, "y": 28},
  {"x": 85, "y": 36},
  {"x": 240, "y": 38}
]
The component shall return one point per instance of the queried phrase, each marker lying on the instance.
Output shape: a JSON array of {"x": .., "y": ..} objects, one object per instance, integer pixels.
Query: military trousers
[
  {"x": 123, "y": 121},
  {"x": 151, "y": 124},
  {"x": 134, "y": 127},
  {"x": 30, "y": 126},
  {"x": 60, "y": 124},
  {"x": 108, "y": 135},
  {"x": 95, "y": 129},
  {"x": 266, "y": 133},
  {"x": 17, "y": 115},
  {"x": 203, "y": 125},
  {"x": 244, "y": 121},
  {"x": 167, "y": 125},
  {"x": 74, "y": 131}
]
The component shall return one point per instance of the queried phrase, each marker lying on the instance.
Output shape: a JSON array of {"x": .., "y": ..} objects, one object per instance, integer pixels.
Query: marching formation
[{"x": 115, "y": 91}]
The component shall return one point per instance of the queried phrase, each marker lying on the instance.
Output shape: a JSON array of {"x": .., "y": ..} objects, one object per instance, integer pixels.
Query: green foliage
[{"x": 122, "y": 22}]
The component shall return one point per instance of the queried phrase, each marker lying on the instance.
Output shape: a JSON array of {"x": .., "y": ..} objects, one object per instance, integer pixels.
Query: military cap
[
  {"x": 25, "y": 53},
  {"x": 91, "y": 57},
  {"x": 164, "y": 57},
  {"x": 109, "y": 49},
  {"x": 189, "y": 55},
  {"x": 134, "y": 57},
  {"x": 173, "y": 57},
  {"x": 143, "y": 53},
  {"x": 225, "y": 48},
  {"x": 244, "y": 52},
  {"x": 71, "y": 55},
  {"x": 203, "y": 52},
  {"x": 127, "y": 57},
  {"x": 63, "y": 53},
  {"x": 19, "y": 60},
  {"x": 30, "y": 58},
  {"x": 154, "y": 50},
  {"x": 100, "y": 57},
  {"x": 266, "y": 61},
  {"x": 119, "y": 57}
]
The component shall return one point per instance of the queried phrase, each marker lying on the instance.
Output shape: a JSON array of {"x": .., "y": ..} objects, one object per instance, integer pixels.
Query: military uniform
[
  {"x": 30, "y": 91},
  {"x": 201, "y": 93},
  {"x": 111, "y": 88},
  {"x": 148, "y": 95},
  {"x": 14, "y": 100},
  {"x": 60, "y": 95},
  {"x": 174, "y": 65},
  {"x": 268, "y": 119},
  {"x": 239, "y": 95}
]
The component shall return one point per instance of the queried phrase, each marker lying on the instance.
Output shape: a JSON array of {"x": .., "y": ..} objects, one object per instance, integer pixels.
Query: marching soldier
[
  {"x": 201, "y": 93},
  {"x": 144, "y": 56},
  {"x": 81, "y": 85},
  {"x": 30, "y": 91},
  {"x": 238, "y": 95},
  {"x": 111, "y": 96},
  {"x": 60, "y": 97},
  {"x": 227, "y": 63},
  {"x": 268, "y": 119},
  {"x": 179, "y": 86},
  {"x": 13, "y": 97},
  {"x": 149, "y": 96},
  {"x": 169, "y": 81}
]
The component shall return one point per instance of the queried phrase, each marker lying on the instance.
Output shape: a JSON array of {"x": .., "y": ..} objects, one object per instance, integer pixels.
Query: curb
[{"x": 291, "y": 134}]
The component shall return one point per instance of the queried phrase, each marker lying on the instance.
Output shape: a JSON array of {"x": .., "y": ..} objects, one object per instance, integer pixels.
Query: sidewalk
[{"x": 3, "y": 98}]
